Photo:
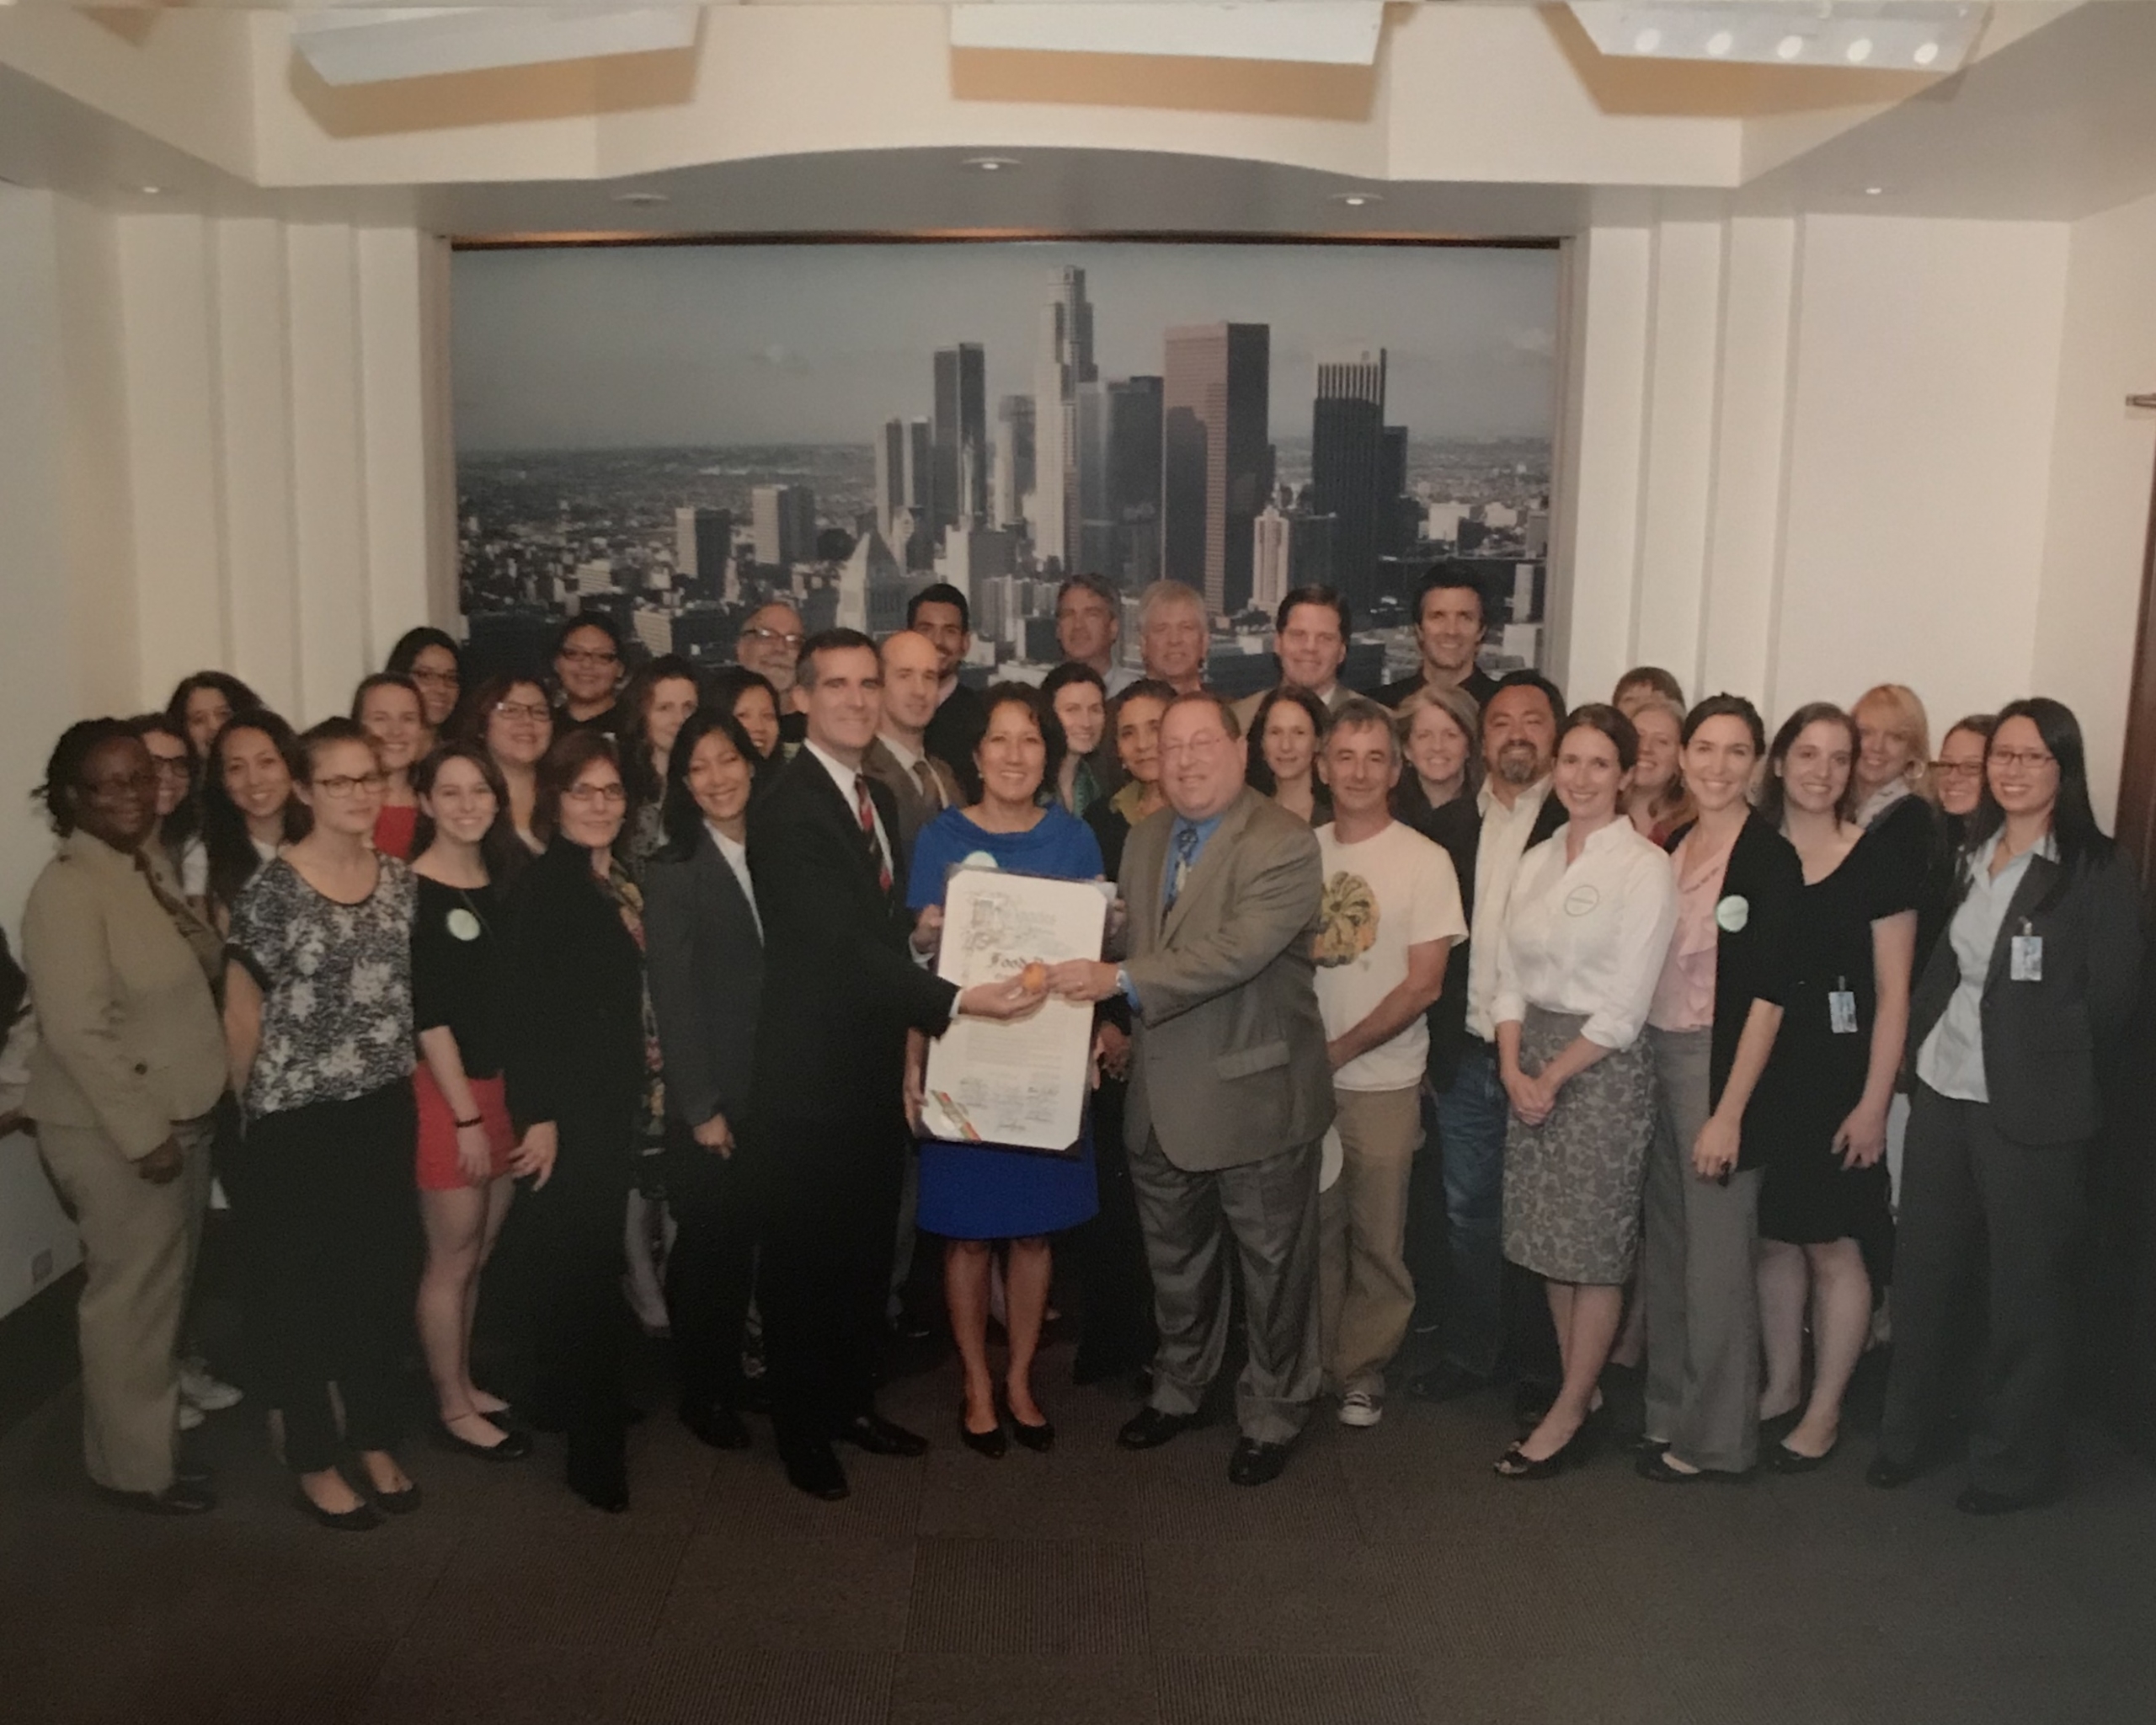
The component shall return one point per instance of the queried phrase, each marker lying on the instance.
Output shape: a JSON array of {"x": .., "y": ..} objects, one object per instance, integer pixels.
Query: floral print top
[
  {"x": 627, "y": 896},
  {"x": 336, "y": 983}
]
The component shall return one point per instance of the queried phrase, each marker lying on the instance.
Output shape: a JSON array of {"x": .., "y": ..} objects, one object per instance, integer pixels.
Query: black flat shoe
[
  {"x": 1149, "y": 1428},
  {"x": 1039, "y": 1438},
  {"x": 715, "y": 1425},
  {"x": 402, "y": 1503},
  {"x": 1516, "y": 1464},
  {"x": 514, "y": 1445},
  {"x": 1657, "y": 1468},
  {"x": 1256, "y": 1464},
  {"x": 816, "y": 1470},
  {"x": 879, "y": 1436},
  {"x": 1645, "y": 1445},
  {"x": 1785, "y": 1460},
  {"x": 182, "y": 1497},
  {"x": 362, "y": 1519},
  {"x": 989, "y": 1443}
]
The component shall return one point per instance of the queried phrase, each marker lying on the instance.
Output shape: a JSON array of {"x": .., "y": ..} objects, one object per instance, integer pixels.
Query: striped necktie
[{"x": 867, "y": 811}]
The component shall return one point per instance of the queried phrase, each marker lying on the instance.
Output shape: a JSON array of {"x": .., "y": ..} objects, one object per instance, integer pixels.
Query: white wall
[
  {"x": 1814, "y": 454},
  {"x": 221, "y": 444}
]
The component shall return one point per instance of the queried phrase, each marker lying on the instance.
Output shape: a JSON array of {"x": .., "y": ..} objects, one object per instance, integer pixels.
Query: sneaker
[
  {"x": 190, "y": 1416},
  {"x": 1359, "y": 1407},
  {"x": 198, "y": 1389}
]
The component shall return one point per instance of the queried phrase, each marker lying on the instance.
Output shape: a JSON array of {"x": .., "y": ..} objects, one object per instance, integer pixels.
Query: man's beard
[{"x": 1517, "y": 763}]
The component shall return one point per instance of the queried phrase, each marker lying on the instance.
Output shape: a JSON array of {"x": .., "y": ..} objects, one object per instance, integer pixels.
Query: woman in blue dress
[{"x": 975, "y": 1194}]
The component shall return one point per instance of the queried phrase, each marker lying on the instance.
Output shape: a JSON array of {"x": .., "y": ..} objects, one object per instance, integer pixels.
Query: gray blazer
[
  {"x": 1230, "y": 1063},
  {"x": 2048, "y": 1045},
  {"x": 704, "y": 961}
]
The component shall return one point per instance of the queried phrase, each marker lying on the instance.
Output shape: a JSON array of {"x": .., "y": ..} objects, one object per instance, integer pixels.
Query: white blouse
[{"x": 1590, "y": 938}]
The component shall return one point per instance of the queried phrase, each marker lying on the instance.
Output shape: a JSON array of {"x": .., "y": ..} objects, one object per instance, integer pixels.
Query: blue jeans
[{"x": 1471, "y": 1118}]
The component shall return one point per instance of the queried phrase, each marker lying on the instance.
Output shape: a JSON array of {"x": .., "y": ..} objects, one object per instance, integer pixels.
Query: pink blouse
[{"x": 1684, "y": 997}]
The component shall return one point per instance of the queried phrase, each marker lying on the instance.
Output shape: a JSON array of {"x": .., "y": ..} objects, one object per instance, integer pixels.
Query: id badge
[
  {"x": 1841, "y": 1012},
  {"x": 2026, "y": 962}
]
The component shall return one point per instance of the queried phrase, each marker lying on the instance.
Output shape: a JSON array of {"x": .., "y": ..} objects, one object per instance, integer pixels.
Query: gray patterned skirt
[{"x": 1572, "y": 1183}]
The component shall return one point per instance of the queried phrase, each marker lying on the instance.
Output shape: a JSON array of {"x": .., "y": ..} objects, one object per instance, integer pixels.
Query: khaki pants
[
  {"x": 1365, "y": 1295},
  {"x": 139, "y": 1243}
]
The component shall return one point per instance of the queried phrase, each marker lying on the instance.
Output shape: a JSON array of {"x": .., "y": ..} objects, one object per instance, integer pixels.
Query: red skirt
[{"x": 438, "y": 1165}]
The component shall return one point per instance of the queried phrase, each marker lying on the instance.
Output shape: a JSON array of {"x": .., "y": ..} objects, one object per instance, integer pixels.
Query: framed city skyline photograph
[{"x": 674, "y": 434}]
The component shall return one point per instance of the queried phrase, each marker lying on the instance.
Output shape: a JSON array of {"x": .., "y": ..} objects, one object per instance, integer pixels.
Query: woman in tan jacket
[{"x": 129, "y": 1064}]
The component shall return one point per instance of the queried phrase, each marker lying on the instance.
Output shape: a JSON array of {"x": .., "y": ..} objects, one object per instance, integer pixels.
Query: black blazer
[
  {"x": 573, "y": 1023},
  {"x": 840, "y": 988},
  {"x": 1458, "y": 826},
  {"x": 1751, "y": 962},
  {"x": 2048, "y": 1045},
  {"x": 956, "y": 731},
  {"x": 705, "y": 961}
]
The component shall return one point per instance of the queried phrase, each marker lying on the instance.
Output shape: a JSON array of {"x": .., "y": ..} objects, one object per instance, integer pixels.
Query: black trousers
[
  {"x": 1975, "y": 1202},
  {"x": 711, "y": 1271},
  {"x": 572, "y": 1258},
  {"x": 828, "y": 1201},
  {"x": 333, "y": 1232}
]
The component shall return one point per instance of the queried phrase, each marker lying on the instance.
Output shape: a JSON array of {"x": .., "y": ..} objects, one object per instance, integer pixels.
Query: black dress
[{"x": 1815, "y": 1074}]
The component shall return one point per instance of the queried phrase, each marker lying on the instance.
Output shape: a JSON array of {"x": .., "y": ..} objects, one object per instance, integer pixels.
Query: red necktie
[{"x": 868, "y": 829}]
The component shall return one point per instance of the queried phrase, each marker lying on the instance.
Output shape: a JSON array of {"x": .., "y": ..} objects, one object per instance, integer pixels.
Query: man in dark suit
[
  {"x": 1485, "y": 837},
  {"x": 1449, "y": 625},
  {"x": 940, "y": 612},
  {"x": 828, "y": 1131}
]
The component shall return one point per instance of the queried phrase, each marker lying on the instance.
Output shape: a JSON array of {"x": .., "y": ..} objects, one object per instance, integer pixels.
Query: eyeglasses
[
  {"x": 514, "y": 710},
  {"x": 759, "y": 633},
  {"x": 170, "y": 765},
  {"x": 2030, "y": 758},
  {"x": 585, "y": 656},
  {"x": 343, "y": 784},
  {"x": 1958, "y": 769},
  {"x": 437, "y": 679},
  {"x": 596, "y": 796}
]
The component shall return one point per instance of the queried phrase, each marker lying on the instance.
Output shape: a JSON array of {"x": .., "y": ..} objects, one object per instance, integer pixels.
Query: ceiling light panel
[
  {"x": 1877, "y": 36},
  {"x": 1328, "y": 32}
]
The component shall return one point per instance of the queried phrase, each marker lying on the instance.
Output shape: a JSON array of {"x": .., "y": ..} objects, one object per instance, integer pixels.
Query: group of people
[{"x": 1411, "y": 1001}]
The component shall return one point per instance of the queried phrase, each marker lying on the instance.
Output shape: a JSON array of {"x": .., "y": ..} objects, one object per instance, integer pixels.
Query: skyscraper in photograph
[
  {"x": 1133, "y": 479},
  {"x": 1062, "y": 363},
  {"x": 1216, "y": 465},
  {"x": 890, "y": 474},
  {"x": 703, "y": 546},
  {"x": 961, "y": 463},
  {"x": 1348, "y": 465},
  {"x": 784, "y": 523},
  {"x": 1014, "y": 458}
]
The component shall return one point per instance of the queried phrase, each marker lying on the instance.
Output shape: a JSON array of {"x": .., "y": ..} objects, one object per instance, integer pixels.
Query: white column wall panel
[
  {"x": 330, "y": 481},
  {"x": 1678, "y": 436},
  {"x": 1604, "y": 441},
  {"x": 1739, "y": 602},
  {"x": 255, "y": 399},
  {"x": 1920, "y": 452},
  {"x": 394, "y": 380},
  {"x": 444, "y": 603},
  {"x": 168, "y": 272}
]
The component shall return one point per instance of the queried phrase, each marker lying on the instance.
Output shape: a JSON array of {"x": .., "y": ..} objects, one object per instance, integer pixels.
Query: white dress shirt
[
  {"x": 736, "y": 857},
  {"x": 1590, "y": 936},
  {"x": 1497, "y": 853},
  {"x": 846, "y": 777},
  {"x": 1951, "y": 1061}
]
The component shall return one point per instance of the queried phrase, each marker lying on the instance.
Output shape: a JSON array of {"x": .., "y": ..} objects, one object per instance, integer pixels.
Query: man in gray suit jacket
[{"x": 1231, "y": 1088}]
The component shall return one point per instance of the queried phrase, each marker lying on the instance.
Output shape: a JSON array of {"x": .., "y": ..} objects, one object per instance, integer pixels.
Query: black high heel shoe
[
  {"x": 1039, "y": 1438},
  {"x": 989, "y": 1443},
  {"x": 514, "y": 1445}
]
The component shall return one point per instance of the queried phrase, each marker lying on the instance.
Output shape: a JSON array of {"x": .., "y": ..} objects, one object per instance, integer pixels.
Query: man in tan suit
[
  {"x": 1230, "y": 1088},
  {"x": 130, "y": 1061},
  {"x": 923, "y": 786}
]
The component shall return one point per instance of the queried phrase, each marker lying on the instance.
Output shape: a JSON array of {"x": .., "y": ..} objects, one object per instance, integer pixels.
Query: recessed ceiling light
[
  {"x": 989, "y": 164},
  {"x": 1790, "y": 47},
  {"x": 1357, "y": 201},
  {"x": 151, "y": 191},
  {"x": 1926, "y": 53},
  {"x": 1874, "y": 191},
  {"x": 1859, "y": 51},
  {"x": 641, "y": 199},
  {"x": 1646, "y": 41},
  {"x": 1719, "y": 43}
]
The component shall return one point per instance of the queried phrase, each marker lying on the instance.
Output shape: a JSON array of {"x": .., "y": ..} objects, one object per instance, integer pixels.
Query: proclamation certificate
[{"x": 1022, "y": 1084}]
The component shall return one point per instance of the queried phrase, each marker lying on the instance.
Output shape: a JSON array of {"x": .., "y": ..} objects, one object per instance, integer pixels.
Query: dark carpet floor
[{"x": 1387, "y": 1578}]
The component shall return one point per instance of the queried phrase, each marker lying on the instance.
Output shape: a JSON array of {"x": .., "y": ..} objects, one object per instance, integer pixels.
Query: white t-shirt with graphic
[{"x": 1382, "y": 896}]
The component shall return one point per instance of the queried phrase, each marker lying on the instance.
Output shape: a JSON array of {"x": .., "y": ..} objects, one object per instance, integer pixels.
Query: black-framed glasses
[
  {"x": 345, "y": 784},
  {"x": 586, "y": 655},
  {"x": 792, "y": 637}
]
